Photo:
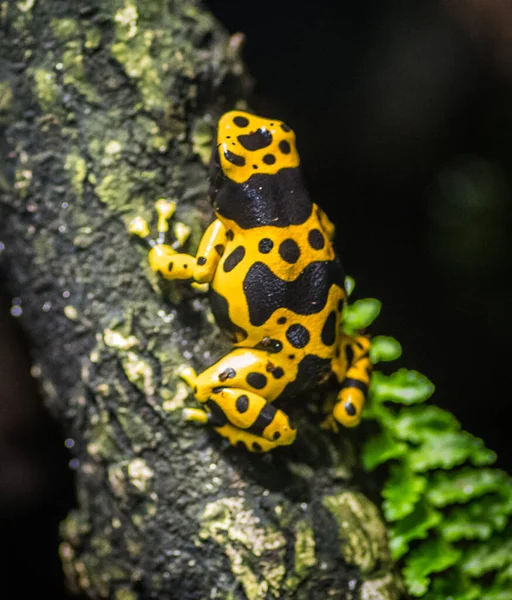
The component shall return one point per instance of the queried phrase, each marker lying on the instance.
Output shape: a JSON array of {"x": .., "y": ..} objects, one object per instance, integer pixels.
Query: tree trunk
[{"x": 106, "y": 106}]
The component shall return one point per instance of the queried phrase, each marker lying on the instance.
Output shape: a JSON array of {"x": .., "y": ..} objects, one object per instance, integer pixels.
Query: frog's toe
[
  {"x": 139, "y": 227},
  {"x": 200, "y": 287},
  {"x": 188, "y": 374},
  {"x": 181, "y": 233},
  {"x": 330, "y": 424},
  {"x": 196, "y": 414},
  {"x": 348, "y": 410}
]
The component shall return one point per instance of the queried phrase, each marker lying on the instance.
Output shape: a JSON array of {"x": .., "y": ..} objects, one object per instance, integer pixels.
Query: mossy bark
[{"x": 107, "y": 105}]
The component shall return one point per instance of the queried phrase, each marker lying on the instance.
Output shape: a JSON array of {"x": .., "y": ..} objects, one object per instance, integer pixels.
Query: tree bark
[{"x": 107, "y": 105}]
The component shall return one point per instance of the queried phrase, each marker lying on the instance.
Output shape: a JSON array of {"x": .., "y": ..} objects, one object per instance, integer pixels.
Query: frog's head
[{"x": 248, "y": 145}]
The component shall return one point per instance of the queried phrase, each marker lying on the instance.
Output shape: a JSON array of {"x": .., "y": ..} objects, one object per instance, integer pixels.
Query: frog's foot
[
  {"x": 330, "y": 424},
  {"x": 235, "y": 392},
  {"x": 349, "y": 407},
  {"x": 244, "y": 418},
  {"x": 188, "y": 374},
  {"x": 163, "y": 257},
  {"x": 253, "y": 443},
  {"x": 197, "y": 415},
  {"x": 165, "y": 210},
  {"x": 354, "y": 387},
  {"x": 269, "y": 429}
]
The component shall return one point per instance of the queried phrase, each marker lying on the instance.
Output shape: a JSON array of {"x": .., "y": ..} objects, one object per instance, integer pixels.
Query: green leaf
[
  {"x": 462, "y": 486},
  {"x": 415, "y": 526},
  {"x": 384, "y": 349},
  {"x": 403, "y": 387},
  {"x": 360, "y": 314},
  {"x": 454, "y": 586},
  {"x": 402, "y": 491},
  {"x": 433, "y": 556},
  {"x": 504, "y": 577},
  {"x": 350, "y": 284},
  {"x": 448, "y": 449},
  {"x": 385, "y": 415},
  {"x": 380, "y": 449},
  {"x": 419, "y": 422},
  {"x": 497, "y": 594},
  {"x": 488, "y": 557},
  {"x": 477, "y": 520}
]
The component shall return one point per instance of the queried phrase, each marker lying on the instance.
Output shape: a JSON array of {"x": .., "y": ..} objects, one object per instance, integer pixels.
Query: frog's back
[{"x": 278, "y": 266}]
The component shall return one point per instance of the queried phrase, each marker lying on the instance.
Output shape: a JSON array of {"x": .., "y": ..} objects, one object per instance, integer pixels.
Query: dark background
[{"x": 403, "y": 114}]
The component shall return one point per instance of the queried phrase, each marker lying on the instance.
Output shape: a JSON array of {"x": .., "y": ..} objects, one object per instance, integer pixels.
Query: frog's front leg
[
  {"x": 235, "y": 393},
  {"x": 354, "y": 386},
  {"x": 164, "y": 259}
]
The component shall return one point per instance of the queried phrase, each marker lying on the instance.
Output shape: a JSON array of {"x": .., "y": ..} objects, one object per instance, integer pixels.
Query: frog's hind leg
[
  {"x": 232, "y": 391},
  {"x": 354, "y": 386}
]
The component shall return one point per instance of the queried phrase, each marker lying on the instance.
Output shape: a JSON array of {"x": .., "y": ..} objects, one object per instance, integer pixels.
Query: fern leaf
[
  {"x": 360, "y": 314},
  {"x": 433, "y": 556},
  {"x": 448, "y": 449},
  {"x": 462, "y": 486},
  {"x": 401, "y": 492},
  {"x": 402, "y": 387},
  {"x": 380, "y": 449},
  {"x": 384, "y": 349},
  {"x": 414, "y": 527}
]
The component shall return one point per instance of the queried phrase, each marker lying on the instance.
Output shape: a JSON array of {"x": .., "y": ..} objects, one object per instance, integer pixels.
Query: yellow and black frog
[{"x": 276, "y": 290}]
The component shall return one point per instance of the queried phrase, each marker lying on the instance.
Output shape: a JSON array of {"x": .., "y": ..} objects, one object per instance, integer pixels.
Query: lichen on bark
[{"x": 108, "y": 105}]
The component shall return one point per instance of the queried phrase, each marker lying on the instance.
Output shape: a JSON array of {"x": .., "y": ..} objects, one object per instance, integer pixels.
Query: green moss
[
  {"x": 140, "y": 434},
  {"x": 133, "y": 49},
  {"x": 92, "y": 37},
  {"x": 304, "y": 552},
  {"x": 47, "y": 90},
  {"x": 381, "y": 588},
  {"x": 113, "y": 149},
  {"x": 23, "y": 181},
  {"x": 305, "y": 558},
  {"x": 360, "y": 529},
  {"x": 149, "y": 54},
  {"x": 136, "y": 60},
  {"x": 64, "y": 29},
  {"x": 74, "y": 73},
  {"x": 68, "y": 33},
  {"x": 74, "y": 527},
  {"x": 6, "y": 102},
  {"x": 114, "y": 189},
  {"x": 256, "y": 553},
  {"x": 115, "y": 339},
  {"x": 139, "y": 372},
  {"x": 125, "y": 594},
  {"x": 140, "y": 474},
  {"x": 101, "y": 545},
  {"x": 102, "y": 440},
  {"x": 77, "y": 168},
  {"x": 25, "y": 5},
  {"x": 118, "y": 189},
  {"x": 202, "y": 140}
]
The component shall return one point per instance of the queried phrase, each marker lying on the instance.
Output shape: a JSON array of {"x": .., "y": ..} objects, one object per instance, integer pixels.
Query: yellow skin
[{"x": 276, "y": 290}]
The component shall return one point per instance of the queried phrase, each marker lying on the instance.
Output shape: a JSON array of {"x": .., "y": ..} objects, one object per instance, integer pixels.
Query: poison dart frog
[{"x": 276, "y": 289}]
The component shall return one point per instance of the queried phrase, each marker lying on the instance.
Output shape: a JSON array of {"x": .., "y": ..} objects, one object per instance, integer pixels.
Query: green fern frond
[{"x": 449, "y": 513}]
